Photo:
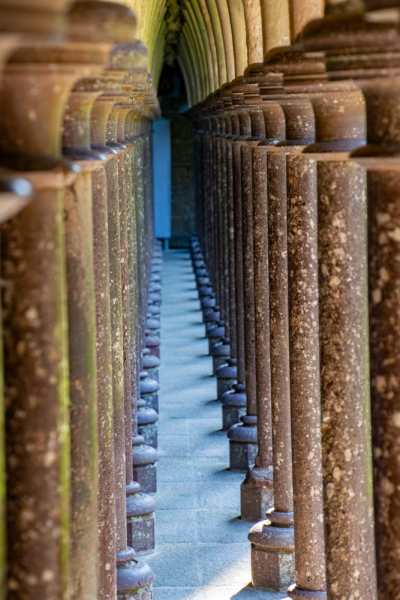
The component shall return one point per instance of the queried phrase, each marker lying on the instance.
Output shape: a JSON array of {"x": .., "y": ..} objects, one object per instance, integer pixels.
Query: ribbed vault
[{"x": 217, "y": 39}]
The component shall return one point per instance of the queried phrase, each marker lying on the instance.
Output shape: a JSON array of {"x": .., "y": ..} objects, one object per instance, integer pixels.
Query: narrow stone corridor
[{"x": 202, "y": 551}]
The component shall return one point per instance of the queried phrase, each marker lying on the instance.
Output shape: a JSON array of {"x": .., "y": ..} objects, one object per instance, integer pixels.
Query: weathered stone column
[
  {"x": 140, "y": 507},
  {"x": 243, "y": 437},
  {"x": 131, "y": 575},
  {"x": 342, "y": 220},
  {"x": 109, "y": 344},
  {"x": 35, "y": 314},
  {"x": 15, "y": 193},
  {"x": 309, "y": 535},
  {"x": 272, "y": 541},
  {"x": 380, "y": 158},
  {"x": 257, "y": 489},
  {"x": 86, "y": 230}
]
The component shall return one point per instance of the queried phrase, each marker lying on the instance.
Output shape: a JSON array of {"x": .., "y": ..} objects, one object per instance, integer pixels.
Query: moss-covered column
[
  {"x": 85, "y": 260},
  {"x": 109, "y": 339},
  {"x": 35, "y": 319}
]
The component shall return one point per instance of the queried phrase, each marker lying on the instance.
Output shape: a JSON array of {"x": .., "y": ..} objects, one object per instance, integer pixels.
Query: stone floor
[{"x": 202, "y": 548}]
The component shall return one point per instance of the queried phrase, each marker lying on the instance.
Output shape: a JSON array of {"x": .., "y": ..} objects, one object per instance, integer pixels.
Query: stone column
[
  {"x": 109, "y": 337},
  {"x": 140, "y": 506},
  {"x": 35, "y": 317},
  {"x": 131, "y": 575},
  {"x": 257, "y": 489},
  {"x": 86, "y": 230},
  {"x": 309, "y": 535},
  {"x": 15, "y": 193},
  {"x": 342, "y": 220},
  {"x": 243, "y": 437},
  {"x": 272, "y": 541},
  {"x": 380, "y": 158}
]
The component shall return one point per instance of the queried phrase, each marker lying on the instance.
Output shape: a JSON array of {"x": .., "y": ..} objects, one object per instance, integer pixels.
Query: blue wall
[{"x": 162, "y": 177}]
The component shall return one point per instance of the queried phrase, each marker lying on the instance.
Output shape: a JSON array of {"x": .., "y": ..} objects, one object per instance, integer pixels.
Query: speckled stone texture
[
  {"x": 305, "y": 375},
  {"x": 346, "y": 441},
  {"x": 384, "y": 280}
]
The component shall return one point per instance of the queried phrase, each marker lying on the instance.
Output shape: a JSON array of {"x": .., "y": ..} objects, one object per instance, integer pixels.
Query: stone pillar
[
  {"x": 346, "y": 442},
  {"x": 272, "y": 541},
  {"x": 35, "y": 319},
  {"x": 243, "y": 437},
  {"x": 342, "y": 243},
  {"x": 14, "y": 196},
  {"x": 309, "y": 535},
  {"x": 85, "y": 211},
  {"x": 380, "y": 159},
  {"x": 257, "y": 488}
]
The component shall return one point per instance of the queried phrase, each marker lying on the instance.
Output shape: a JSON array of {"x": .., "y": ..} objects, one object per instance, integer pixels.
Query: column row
[{"x": 296, "y": 260}]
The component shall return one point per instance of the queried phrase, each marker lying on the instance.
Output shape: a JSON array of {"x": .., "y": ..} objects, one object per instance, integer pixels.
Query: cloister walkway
[{"x": 202, "y": 551}]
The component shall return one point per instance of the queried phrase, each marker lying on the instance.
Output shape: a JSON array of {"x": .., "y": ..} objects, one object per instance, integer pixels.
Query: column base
[
  {"x": 140, "y": 510},
  {"x": 149, "y": 390},
  {"x": 151, "y": 364},
  {"x": 220, "y": 354},
  {"x": 234, "y": 404},
  {"x": 203, "y": 280},
  {"x": 208, "y": 305},
  {"x": 155, "y": 297},
  {"x": 226, "y": 377},
  {"x": 215, "y": 336},
  {"x": 153, "y": 309},
  {"x": 134, "y": 578},
  {"x": 153, "y": 325},
  {"x": 257, "y": 493},
  {"x": 295, "y": 593},
  {"x": 144, "y": 459},
  {"x": 153, "y": 344},
  {"x": 272, "y": 553},
  {"x": 204, "y": 290},
  {"x": 212, "y": 321},
  {"x": 243, "y": 444},
  {"x": 147, "y": 424}
]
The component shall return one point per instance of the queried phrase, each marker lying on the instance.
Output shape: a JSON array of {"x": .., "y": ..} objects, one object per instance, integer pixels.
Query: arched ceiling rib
[
  {"x": 197, "y": 22},
  {"x": 239, "y": 37},
  {"x": 196, "y": 40},
  {"x": 200, "y": 9},
  {"x": 254, "y": 32},
  {"x": 219, "y": 38}
]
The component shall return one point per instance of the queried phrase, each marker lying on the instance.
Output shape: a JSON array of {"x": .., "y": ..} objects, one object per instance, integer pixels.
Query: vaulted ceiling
[{"x": 214, "y": 40}]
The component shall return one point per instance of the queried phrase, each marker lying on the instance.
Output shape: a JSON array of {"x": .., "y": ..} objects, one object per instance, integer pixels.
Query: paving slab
[{"x": 202, "y": 551}]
